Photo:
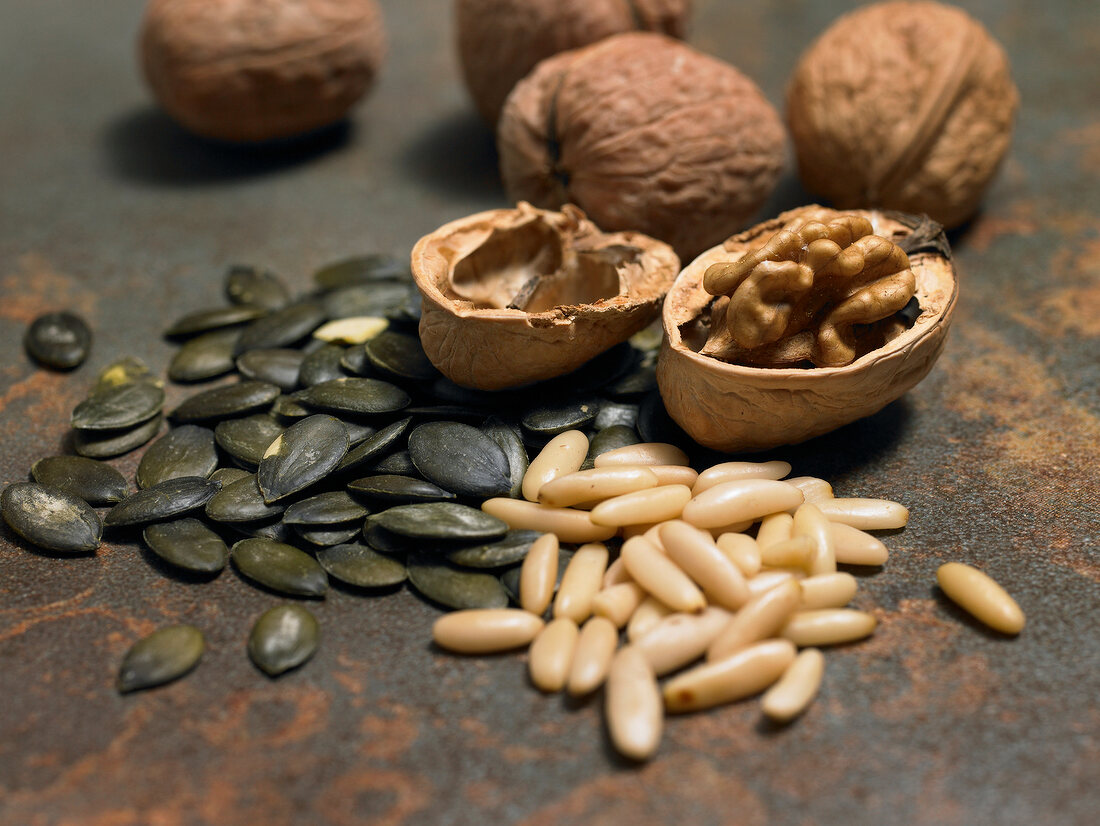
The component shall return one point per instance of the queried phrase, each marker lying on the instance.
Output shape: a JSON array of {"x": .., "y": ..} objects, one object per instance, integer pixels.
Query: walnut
[
  {"x": 513, "y": 296},
  {"x": 500, "y": 41},
  {"x": 643, "y": 132},
  {"x": 253, "y": 70},
  {"x": 819, "y": 291},
  {"x": 739, "y": 407},
  {"x": 904, "y": 105}
]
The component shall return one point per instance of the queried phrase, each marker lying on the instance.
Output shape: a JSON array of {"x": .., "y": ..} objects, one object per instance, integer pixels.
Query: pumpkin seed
[
  {"x": 241, "y": 501},
  {"x": 161, "y": 657},
  {"x": 358, "y": 565},
  {"x": 447, "y": 391},
  {"x": 120, "y": 407},
  {"x": 205, "y": 356},
  {"x": 400, "y": 356},
  {"x": 374, "y": 446},
  {"x": 351, "y": 330},
  {"x": 507, "y": 551},
  {"x": 408, "y": 311},
  {"x": 228, "y": 400},
  {"x": 97, "y": 483},
  {"x": 321, "y": 365},
  {"x": 445, "y": 412},
  {"x": 363, "y": 269},
  {"x": 101, "y": 444},
  {"x": 398, "y": 489},
  {"x": 124, "y": 371},
  {"x": 288, "y": 408},
  {"x": 276, "y": 366},
  {"x": 655, "y": 425},
  {"x": 162, "y": 501},
  {"x": 228, "y": 475},
  {"x": 251, "y": 286},
  {"x": 359, "y": 432},
  {"x": 609, "y": 438},
  {"x": 548, "y": 421},
  {"x": 183, "y": 451},
  {"x": 203, "y": 321},
  {"x": 364, "y": 299},
  {"x": 441, "y": 521},
  {"x": 329, "y": 508},
  {"x": 330, "y": 535},
  {"x": 354, "y": 361},
  {"x": 398, "y": 463},
  {"x": 273, "y": 529},
  {"x": 283, "y": 638},
  {"x": 280, "y": 567},
  {"x": 510, "y": 440},
  {"x": 634, "y": 384},
  {"x": 247, "y": 439},
  {"x": 188, "y": 544},
  {"x": 282, "y": 328},
  {"x": 302, "y": 455},
  {"x": 460, "y": 458},
  {"x": 355, "y": 396},
  {"x": 59, "y": 340},
  {"x": 454, "y": 587},
  {"x": 615, "y": 413},
  {"x": 385, "y": 541},
  {"x": 51, "y": 519}
]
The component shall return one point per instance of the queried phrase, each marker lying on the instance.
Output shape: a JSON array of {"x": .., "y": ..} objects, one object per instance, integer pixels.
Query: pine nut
[
  {"x": 581, "y": 582},
  {"x": 738, "y": 501},
  {"x": 592, "y": 657},
  {"x": 828, "y": 626},
  {"x": 680, "y": 639},
  {"x": 811, "y": 523},
  {"x": 767, "y": 580},
  {"x": 562, "y": 455},
  {"x": 539, "y": 574},
  {"x": 674, "y": 474},
  {"x": 762, "y": 617},
  {"x": 732, "y": 471},
  {"x": 595, "y": 485},
  {"x": 569, "y": 525},
  {"x": 979, "y": 595},
  {"x": 653, "y": 537},
  {"x": 827, "y": 591},
  {"x": 695, "y": 552},
  {"x": 775, "y": 527},
  {"x": 742, "y": 550},
  {"x": 647, "y": 615},
  {"x": 661, "y": 577},
  {"x": 742, "y": 674},
  {"x": 795, "y": 552},
  {"x": 733, "y": 527},
  {"x": 814, "y": 489},
  {"x": 633, "y": 708},
  {"x": 652, "y": 505},
  {"x": 796, "y": 688},
  {"x": 619, "y": 602},
  {"x": 551, "y": 654},
  {"x": 854, "y": 547},
  {"x": 627, "y": 531},
  {"x": 645, "y": 453},
  {"x": 485, "y": 631},
  {"x": 866, "y": 514},
  {"x": 615, "y": 574}
]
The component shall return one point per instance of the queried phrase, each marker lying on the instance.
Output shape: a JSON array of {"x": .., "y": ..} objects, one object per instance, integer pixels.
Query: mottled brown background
[{"x": 107, "y": 208}]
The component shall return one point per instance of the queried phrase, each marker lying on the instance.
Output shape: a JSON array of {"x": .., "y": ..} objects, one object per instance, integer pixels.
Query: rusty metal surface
[{"x": 108, "y": 209}]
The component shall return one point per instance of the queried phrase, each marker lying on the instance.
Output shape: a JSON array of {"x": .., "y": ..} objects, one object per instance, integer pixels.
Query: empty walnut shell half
[
  {"x": 514, "y": 296},
  {"x": 739, "y": 408}
]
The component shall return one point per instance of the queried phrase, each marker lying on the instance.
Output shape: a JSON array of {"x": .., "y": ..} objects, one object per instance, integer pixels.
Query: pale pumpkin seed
[
  {"x": 251, "y": 286},
  {"x": 329, "y": 508},
  {"x": 507, "y": 551},
  {"x": 241, "y": 501},
  {"x": 351, "y": 330},
  {"x": 282, "y": 328},
  {"x": 446, "y": 521},
  {"x": 374, "y": 446},
  {"x": 51, "y": 519},
  {"x": 187, "y": 450},
  {"x": 454, "y": 587},
  {"x": 363, "y": 269},
  {"x": 120, "y": 407},
  {"x": 321, "y": 365},
  {"x": 510, "y": 440},
  {"x": 102, "y": 444},
  {"x": 97, "y": 483},
  {"x": 304, "y": 454},
  {"x": 278, "y": 366},
  {"x": 361, "y": 566},
  {"x": 205, "y": 356},
  {"x": 202, "y": 321},
  {"x": 58, "y": 340},
  {"x": 226, "y": 401},
  {"x": 354, "y": 395},
  {"x": 398, "y": 490},
  {"x": 545, "y": 422},
  {"x": 283, "y": 638},
  {"x": 248, "y": 438},
  {"x": 162, "y": 501},
  {"x": 400, "y": 356},
  {"x": 460, "y": 458},
  {"x": 280, "y": 567},
  {"x": 325, "y": 536},
  {"x": 161, "y": 657},
  {"x": 188, "y": 544}
]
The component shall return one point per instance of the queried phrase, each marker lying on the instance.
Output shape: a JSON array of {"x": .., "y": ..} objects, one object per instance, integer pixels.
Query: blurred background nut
[
  {"x": 643, "y": 132},
  {"x": 500, "y": 41},
  {"x": 903, "y": 105},
  {"x": 253, "y": 70}
]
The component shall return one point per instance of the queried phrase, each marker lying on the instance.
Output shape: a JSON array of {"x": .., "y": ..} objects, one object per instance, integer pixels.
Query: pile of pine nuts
[{"x": 689, "y": 582}]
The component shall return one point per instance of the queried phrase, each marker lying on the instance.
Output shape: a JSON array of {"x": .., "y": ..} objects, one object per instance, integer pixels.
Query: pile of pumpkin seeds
[{"x": 319, "y": 442}]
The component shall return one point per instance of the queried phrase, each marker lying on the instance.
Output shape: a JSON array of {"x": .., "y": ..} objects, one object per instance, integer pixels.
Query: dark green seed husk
[
  {"x": 162, "y": 501},
  {"x": 226, "y": 401},
  {"x": 507, "y": 551},
  {"x": 97, "y": 483},
  {"x": 304, "y": 454},
  {"x": 241, "y": 501},
  {"x": 398, "y": 463},
  {"x": 365, "y": 300},
  {"x": 634, "y": 384},
  {"x": 510, "y": 440},
  {"x": 355, "y": 396},
  {"x": 400, "y": 356},
  {"x": 374, "y": 446},
  {"x": 203, "y": 321},
  {"x": 329, "y": 508},
  {"x": 187, "y": 450},
  {"x": 251, "y": 286},
  {"x": 398, "y": 490},
  {"x": 615, "y": 413},
  {"x": 385, "y": 541},
  {"x": 120, "y": 407},
  {"x": 454, "y": 587},
  {"x": 188, "y": 544},
  {"x": 205, "y": 356},
  {"x": 101, "y": 444},
  {"x": 274, "y": 529},
  {"x": 547, "y": 422},
  {"x": 321, "y": 365},
  {"x": 283, "y": 638},
  {"x": 445, "y": 521},
  {"x": 124, "y": 371},
  {"x": 358, "y": 565},
  {"x": 655, "y": 425},
  {"x": 58, "y": 340},
  {"x": 362, "y": 269},
  {"x": 288, "y": 409},
  {"x": 510, "y": 578},
  {"x": 460, "y": 458},
  {"x": 610, "y": 438},
  {"x": 228, "y": 475},
  {"x": 359, "y": 432},
  {"x": 163, "y": 656},
  {"x": 282, "y": 328},
  {"x": 50, "y": 518},
  {"x": 248, "y": 438},
  {"x": 354, "y": 361},
  {"x": 323, "y": 537},
  {"x": 280, "y": 567},
  {"x": 278, "y": 366},
  {"x": 445, "y": 412}
]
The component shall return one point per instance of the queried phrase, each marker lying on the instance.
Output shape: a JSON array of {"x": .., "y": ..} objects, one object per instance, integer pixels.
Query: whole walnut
[
  {"x": 253, "y": 70},
  {"x": 500, "y": 41},
  {"x": 904, "y": 105},
  {"x": 644, "y": 133}
]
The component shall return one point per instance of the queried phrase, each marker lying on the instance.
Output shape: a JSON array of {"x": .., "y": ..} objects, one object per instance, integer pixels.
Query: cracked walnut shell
[
  {"x": 514, "y": 296},
  {"x": 737, "y": 407}
]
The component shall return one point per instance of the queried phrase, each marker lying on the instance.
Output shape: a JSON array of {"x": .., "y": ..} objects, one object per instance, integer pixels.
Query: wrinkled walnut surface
[
  {"x": 513, "y": 296},
  {"x": 645, "y": 133},
  {"x": 737, "y": 408}
]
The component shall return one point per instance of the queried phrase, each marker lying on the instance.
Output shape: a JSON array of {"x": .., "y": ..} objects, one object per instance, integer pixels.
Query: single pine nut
[
  {"x": 680, "y": 639},
  {"x": 762, "y": 617},
  {"x": 866, "y": 514},
  {"x": 812, "y": 488},
  {"x": 740, "y": 500},
  {"x": 695, "y": 552},
  {"x": 653, "y": 537},
  {"x": 581, "y": 582},
  {"x": 775, "y": 527},
  {"x": 642, "y": 506},
  {"x": 619, "y": 602},
  {"x": 645, "y": 453},
  {"x": 485, "y": 631},
  {"x": 563, "y": 454},
  {"x": 647, "y": 615},
  {"x": 674, "y": 474},
  {"x": 661, "y": 577},
  {"x": 633, "y": 709},
  {"x": 627, "y": 531},
  {"x": 567, "y": 524},
  {"x": 854, "y": 547},
  {"x": 795, "y": 552},
  {"x": 539, "y": 574},
  {"x": 732, "y": 471},
  {"x": 742, "y": 550},
  {"x": 811, "y": 523},
  {"x": 827, "y": 591},
  {"x": 615, "y": 574},
  {"x": 733, "y": 527},
  {"x": 551, "y": 654},
  {"x": 828, "y": 626},
  {"x": 979, "y": 595},
  {"x": 767, "y": 580},
  {"x": 796, "y": 688},
  {"x": 742, "y": 674},
  {"x": 595, "y": 485},
  {"x": 592, "y": 657}
]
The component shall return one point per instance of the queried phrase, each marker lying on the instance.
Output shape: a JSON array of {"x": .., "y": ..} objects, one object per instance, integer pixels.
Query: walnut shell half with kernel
[
  {"x": 741, "y": 408},
  {"x": 514, "y": 296}
]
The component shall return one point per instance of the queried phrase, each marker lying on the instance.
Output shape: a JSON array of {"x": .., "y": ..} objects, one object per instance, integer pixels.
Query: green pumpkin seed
[
  {"x": 400, "y": 356},
  {"x": 365, "y": 300},
  {"x": 188, "y": 544},
  {"x": 97, "y": 483},
  {"x": 655, "y": 425},
  {"x": 398, "y": 490},
  {"x": 330, "y": 535},
  {"x": 283, "y": 638},
  {"x": 351, "y": 330},
  {"x": 446, "y": 521},
  {"x": 358, "y": 565},
  {"x": 124, "y": 371},
  {"x": 247, "y": 439},
  {"x": 398, "y": 463},
  {"x": 288, "y": 409},
  {"x": 228, "y": 475},
  {"x": 119, "y": 408},
  {"x": 280, "y": 567},
  {"x": 228, "y": 400},
  {"x": 460, "y": 458},
  {"x": 363, "y": 269},
  {"x": 251, "y": 286},
  {"x": 454, "y": 587},
  {"x": 374, "y": 446},
  {"x": 282, "y": 328},
  {"x": 358, "y": 433},
  {"x": 546, "y": 422},
  {"x": 161, "y": 657},
  {"x": 610, "y": 438},
  {"x": 304, "y": 454},
  {"x": 51, "y": 519},
  {"x": 184, "y": 451},
  {"x": 278, "y": 366},
  {"x": 203, "y": 321},
  {"x": 58, "y": 340},
  {"x": 354, "y": 395},
  {"x": 321, "y": 365},
  {"x": 102, "y": 444},
  {"x": 379, "y": 539},
  {"x": 205, "y": 356},
  {"x": 275, "y": 530},
  {"x": 241, "y": 501},
  {"x": 507, "y": 551},
  {"x": 614, "y": 413},
  {"x": 162, "y": 501},
  {"x": 354, "y": 361},
  {"x": 635, "y": 384},
  {"x": 330, "y": 508},
  {"x": 510, "y": 440},
  {"x": 445, "y": 412}
]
